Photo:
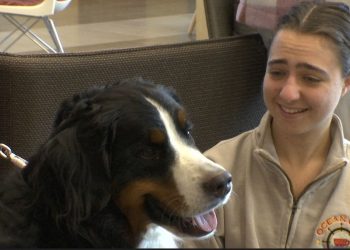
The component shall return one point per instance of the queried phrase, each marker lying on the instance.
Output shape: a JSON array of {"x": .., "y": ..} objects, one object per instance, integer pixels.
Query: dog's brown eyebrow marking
[
  {"x": 157, "y": 136},
  {"x": 181, "y": 118}
]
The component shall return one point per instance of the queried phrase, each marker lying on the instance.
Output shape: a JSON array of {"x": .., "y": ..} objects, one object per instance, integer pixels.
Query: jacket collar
[{"x": 337, "y": 154}]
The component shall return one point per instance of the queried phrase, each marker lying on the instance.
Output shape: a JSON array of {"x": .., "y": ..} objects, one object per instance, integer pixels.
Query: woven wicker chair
[{"x": 218, "y": 80}]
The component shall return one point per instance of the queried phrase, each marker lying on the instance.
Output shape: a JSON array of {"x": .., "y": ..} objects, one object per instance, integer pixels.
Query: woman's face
[{"x": 303, "y": 82}]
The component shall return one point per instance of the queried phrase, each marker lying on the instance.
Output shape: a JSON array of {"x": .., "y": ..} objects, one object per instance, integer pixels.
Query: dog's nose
[{"x": 219, "y": 185}]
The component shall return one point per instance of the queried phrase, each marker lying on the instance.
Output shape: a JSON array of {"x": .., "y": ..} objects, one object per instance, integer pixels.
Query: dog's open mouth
[{"x": 196, "y": 226}]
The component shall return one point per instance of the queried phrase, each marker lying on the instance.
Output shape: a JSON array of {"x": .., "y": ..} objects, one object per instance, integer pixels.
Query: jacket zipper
[
  {"x": 295, "y": 202},
  {"x": 294, "y": 207},
  {"x": 291, "y": 219}
]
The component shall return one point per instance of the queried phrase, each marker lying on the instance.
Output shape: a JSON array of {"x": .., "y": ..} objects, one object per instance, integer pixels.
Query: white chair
[{"x": 33, "y": 11}]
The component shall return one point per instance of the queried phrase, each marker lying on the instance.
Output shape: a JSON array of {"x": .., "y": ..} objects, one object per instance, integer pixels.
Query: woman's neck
[
  {"x": 303, "y": 156},
  {"x": 301, "y": 148}
]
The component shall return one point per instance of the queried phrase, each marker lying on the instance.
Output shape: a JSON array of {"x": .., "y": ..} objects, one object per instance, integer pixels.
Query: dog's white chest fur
[{"x": 158, "y": 237}]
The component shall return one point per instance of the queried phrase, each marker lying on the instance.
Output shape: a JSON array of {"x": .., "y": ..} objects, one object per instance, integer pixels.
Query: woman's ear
[{"x": 346, "y": 86}]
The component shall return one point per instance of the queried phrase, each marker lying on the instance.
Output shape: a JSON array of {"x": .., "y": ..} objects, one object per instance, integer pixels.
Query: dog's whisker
[{"x": 233, "y": 193}]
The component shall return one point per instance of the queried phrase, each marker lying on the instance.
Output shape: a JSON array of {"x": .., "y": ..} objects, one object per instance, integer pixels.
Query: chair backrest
[
  {"x": 218, "y": 80},
  {"x": 33, "y": 8}
]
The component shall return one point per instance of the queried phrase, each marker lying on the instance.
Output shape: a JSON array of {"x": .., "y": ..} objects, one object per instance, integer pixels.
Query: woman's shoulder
[
  {"x": 244, "y": 140},
  {"x": 235, "y": 141},
  {"x": 229, "y": 151}
]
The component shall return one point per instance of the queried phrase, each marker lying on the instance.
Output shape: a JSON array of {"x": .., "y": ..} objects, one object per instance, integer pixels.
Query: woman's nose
[{"x": 290, "y": 90}]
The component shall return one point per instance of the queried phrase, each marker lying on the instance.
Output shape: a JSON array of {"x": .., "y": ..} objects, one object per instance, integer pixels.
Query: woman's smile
[{"x": 291, "y": 110}]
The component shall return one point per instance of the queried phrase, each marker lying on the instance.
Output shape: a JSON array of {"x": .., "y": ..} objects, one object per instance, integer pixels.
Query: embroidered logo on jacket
[{"x": 334, "y": 232}]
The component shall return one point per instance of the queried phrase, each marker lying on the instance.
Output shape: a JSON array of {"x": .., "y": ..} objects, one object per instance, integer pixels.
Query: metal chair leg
[
  {"x": 31, "y": 35},
  {"x": 53, "y": 33},
  {"x": 13, "y": 32},
  {"x": 23, "y": 30}
]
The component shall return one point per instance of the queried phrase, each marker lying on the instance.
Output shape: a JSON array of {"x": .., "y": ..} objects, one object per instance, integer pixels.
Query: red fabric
[{"x": 20, "y": 2}]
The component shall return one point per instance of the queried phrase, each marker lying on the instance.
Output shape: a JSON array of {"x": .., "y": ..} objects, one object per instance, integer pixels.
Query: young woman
[{"x": 291, "y": 175}]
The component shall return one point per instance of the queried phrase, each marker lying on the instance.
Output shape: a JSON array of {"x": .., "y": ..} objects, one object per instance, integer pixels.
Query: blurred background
[{"x": 87, "y": 25}]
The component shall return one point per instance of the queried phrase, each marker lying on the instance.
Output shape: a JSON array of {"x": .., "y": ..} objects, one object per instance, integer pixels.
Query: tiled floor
[{"x": 101, "y": 24}]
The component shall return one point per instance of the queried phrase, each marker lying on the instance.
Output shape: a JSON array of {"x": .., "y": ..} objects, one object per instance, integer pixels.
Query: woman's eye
[
  {"x": 311, "y": 79},
  {"x": 277, "y": 74}
]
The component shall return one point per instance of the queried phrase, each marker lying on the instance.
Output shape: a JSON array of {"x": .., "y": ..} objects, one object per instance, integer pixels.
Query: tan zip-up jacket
[{"x": 262, "y": 212}]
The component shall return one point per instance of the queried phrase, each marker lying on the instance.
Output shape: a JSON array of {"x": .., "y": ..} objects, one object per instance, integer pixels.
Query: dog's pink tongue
[{"x": 206, "y": 222}]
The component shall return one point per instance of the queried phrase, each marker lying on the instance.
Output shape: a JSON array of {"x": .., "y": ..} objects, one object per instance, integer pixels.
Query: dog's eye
[
  {"x": 149, "y": 153},
  {"x": 188, "y": 130}
]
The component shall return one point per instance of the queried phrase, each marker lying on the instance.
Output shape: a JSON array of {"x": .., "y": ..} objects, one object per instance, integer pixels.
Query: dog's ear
[
  {"x": 71, "y": 181},
  {"x": 70, "y": 175},
  {"x": 172, "y": 92},
  {"x": 75, "y": 104}
]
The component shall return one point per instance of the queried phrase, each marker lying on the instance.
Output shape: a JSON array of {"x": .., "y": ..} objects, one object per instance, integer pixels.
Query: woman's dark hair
[{"x": 327, "y": 19}]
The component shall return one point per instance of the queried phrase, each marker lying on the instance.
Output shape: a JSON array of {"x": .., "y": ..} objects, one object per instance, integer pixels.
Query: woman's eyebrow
[
  {"x": 312, "y": 67},
  {"x": 307, "y": 66},
  {"x": 277, "y": 61}
]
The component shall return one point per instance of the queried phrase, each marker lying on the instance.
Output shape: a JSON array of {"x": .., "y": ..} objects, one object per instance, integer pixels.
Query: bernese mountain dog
[{"x": 119, "y": 169}]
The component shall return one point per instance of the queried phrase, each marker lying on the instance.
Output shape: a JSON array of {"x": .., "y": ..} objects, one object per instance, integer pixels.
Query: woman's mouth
[{"x": 292, "y": 111}]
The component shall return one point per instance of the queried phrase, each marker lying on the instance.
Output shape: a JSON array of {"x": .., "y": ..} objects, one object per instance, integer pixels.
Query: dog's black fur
[{"x": 69, "y": 195}]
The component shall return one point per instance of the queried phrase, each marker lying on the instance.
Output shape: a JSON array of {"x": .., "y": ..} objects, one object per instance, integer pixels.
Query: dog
[{"x": 119, "y": 169}]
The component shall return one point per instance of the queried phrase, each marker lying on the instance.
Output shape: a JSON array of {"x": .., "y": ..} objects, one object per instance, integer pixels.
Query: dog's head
[{"x": 130, "y": 144}]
